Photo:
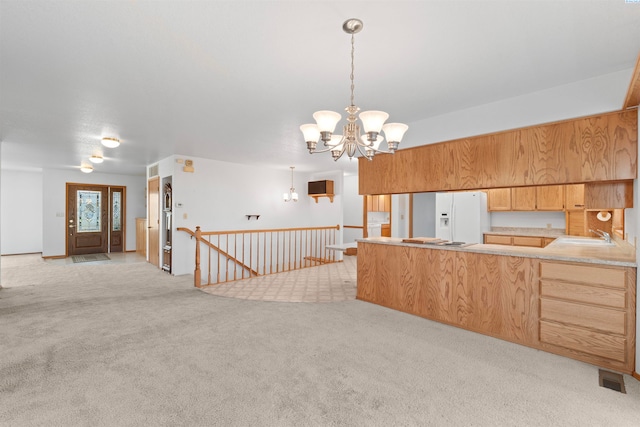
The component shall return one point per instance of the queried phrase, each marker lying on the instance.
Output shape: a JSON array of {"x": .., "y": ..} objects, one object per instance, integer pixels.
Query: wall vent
[
  {"x": 611, "y": 380},
  {"x": 153, "y": 171}
]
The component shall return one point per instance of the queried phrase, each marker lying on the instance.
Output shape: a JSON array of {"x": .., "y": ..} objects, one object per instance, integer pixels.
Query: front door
[{"x": 87, "y": 219}]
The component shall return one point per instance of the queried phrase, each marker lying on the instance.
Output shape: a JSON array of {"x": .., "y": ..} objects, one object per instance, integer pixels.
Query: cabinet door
[
  {"x": 523, "y": 199},
  {"x": 550, "y": 198},
  {"x": 574, "y": 196},
  {"x": 575, "y": 223},
  {"x": 492, "y": 239},
  {"x": 535, "y": 242},
  {"x": 499, "y": 199}
]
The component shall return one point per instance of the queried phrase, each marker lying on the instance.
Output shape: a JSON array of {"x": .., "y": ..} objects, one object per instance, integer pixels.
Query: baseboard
[
  {"x": 636, "y": 375},
  {"x": 24, "y": 253}
]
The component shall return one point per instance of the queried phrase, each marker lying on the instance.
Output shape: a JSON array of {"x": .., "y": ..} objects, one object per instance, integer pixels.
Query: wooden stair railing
[
  {"x": 250, "y": 253},
  {"x": 214, "y": 247}
]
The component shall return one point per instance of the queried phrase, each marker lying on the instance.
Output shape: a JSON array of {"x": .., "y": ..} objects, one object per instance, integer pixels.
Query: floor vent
[{"x": 611, "y": 380}]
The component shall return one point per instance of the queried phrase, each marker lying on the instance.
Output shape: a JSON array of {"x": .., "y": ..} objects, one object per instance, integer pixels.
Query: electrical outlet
[{"x": 548, "y": 225}]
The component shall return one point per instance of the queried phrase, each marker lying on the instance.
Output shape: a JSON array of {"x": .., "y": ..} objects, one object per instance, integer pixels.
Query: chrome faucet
[{"x": 606, "y": 236}]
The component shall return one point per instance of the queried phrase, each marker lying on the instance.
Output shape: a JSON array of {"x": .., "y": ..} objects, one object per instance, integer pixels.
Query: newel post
[{"x": 196, "y": 273}]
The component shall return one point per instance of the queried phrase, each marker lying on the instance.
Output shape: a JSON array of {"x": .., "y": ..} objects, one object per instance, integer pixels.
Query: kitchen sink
[{"x": 584, "y": 241}]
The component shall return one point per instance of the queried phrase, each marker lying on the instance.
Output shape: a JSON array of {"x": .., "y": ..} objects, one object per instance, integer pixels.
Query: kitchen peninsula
[{"x": 575, "y": 301}]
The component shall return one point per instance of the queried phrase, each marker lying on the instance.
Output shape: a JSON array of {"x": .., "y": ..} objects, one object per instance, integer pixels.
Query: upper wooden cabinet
[
  {"x": 523, "y": 199},
  {"x": 550, "y": 198},
  {"x": 499, "y": 199},
  {"x": 574, "y": 196},
  {"x": 379, "y": 203},
  {"x": 599, "y": 195},
  {"x": 590, "y": 149}
]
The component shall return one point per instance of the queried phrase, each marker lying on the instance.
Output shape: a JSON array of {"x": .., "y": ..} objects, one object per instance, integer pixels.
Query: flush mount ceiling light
[
  {"x": 96, "y": 159},
  {"x": 86, "y": 168},
  {"x": 351, "y": 139},
  {"x": 110, "y": 142},
  {"x": 291, "y": 195}
]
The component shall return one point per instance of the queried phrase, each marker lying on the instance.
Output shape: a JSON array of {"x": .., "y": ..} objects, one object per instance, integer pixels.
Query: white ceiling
[{"x": 233, "y": 80}]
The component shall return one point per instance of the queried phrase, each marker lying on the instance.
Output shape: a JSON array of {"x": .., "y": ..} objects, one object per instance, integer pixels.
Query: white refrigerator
[{"x": 462, "y": 216}]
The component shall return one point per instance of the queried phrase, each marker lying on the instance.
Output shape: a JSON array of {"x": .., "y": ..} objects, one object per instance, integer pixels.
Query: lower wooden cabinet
[
  {"x": 582, "y": 311},
  {"x": 530, "y": 241},
  {"x": 588, "y": 312},
  {"x": 498, "y": 239}
]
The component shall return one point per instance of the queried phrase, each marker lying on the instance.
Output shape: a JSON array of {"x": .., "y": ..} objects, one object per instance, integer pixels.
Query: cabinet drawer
[
  {"x": 535, "y": 242},
  {"x": 493, "y": 239},
  {"x": 583, "y": 340},
  {"x": 582, "y": 293},
  {"x": 588, "y": 316},
  {"x": 584, "y": 274}
]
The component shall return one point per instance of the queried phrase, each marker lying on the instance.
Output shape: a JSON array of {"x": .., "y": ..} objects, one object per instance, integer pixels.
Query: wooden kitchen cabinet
[
  {"x": 523, "y": 199},
  {"x": 529, "y": 241},
  {"x": 379, "y": 203},
  {"x": 574, "y": 196},
  {"x": 599, "y": 195},
  {"x": 550, "y": 198},
  {"x": 588, "y": 311},
  {"x": 579, "y": 310},
  {"x": 499, "y": 199},
  {"x": 576, "y": 222},
  {"x": 598, "y": 148},
  {"x": 498, "y": 239}
]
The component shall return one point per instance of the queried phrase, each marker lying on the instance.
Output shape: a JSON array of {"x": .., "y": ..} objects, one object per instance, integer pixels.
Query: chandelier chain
[{"x": 352, "y": 68}]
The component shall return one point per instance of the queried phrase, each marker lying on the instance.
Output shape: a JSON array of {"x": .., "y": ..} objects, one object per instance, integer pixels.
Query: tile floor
[{"x": 325, "y": 283}]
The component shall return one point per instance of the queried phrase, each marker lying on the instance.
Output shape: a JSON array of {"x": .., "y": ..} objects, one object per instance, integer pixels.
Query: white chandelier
[
  {"x": 351, "y": 139},
  {"x": 291, "y": 195}
]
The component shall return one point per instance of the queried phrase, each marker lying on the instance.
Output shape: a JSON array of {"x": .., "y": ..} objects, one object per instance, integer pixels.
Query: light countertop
[{"x": 622, "y": 254}]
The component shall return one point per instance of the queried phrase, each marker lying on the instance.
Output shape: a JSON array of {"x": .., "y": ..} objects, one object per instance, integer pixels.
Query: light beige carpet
[{"x": 128, "y": 345}]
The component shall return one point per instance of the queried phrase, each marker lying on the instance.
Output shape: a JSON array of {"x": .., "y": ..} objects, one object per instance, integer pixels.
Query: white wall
[
  {"x": 400, "y": 215},
  {"x": 352, "y": 208},
  {"x": 593, "y": 96},
  {"x": 424, "y": 214},
  {"x": 528, "y": 219},
  {"x": 218, "y": 195},
  {"x": 21, "y": 212},
  {"x": 53, "y": 199}
]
